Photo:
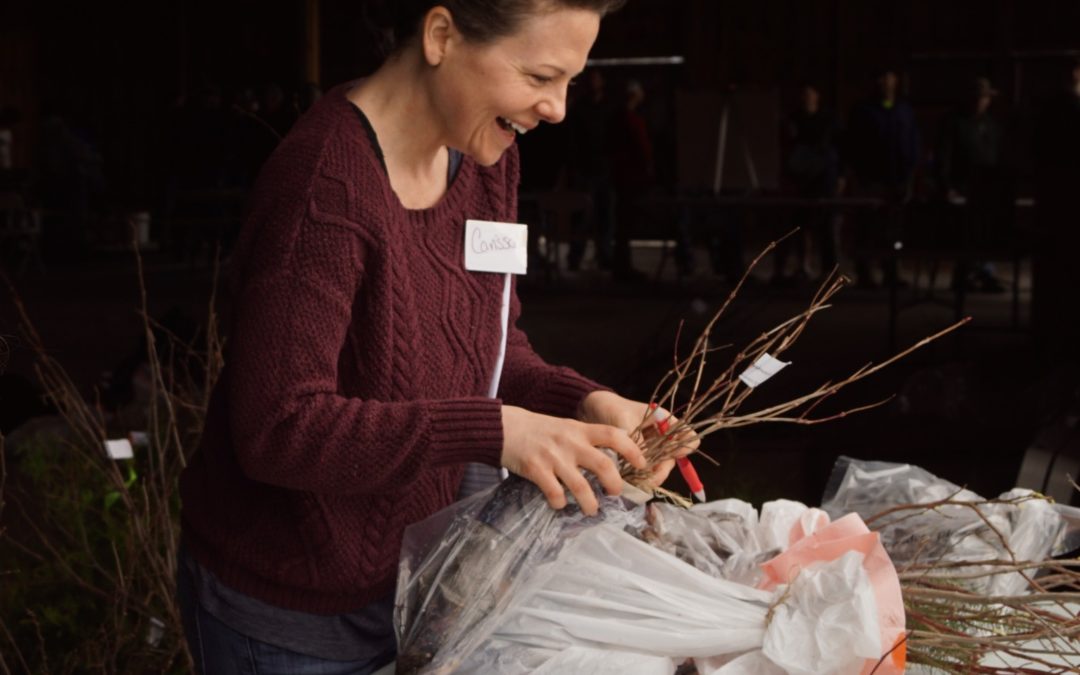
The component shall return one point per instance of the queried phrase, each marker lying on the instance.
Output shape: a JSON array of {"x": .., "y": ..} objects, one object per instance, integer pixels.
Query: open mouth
[{"x": 510, "y": 125}]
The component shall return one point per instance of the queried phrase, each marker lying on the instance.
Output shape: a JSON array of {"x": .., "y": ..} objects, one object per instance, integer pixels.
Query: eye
[{"x": 540, "y": 79}]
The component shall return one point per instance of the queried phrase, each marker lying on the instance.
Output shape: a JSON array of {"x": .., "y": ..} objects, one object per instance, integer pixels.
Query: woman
[{"x": 361, "y": 349}]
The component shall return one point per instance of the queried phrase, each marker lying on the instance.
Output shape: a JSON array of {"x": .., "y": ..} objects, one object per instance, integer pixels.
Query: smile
[{"x": 510, "y": 125}]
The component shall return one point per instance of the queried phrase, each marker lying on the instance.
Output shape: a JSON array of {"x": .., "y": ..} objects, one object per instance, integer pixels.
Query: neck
[
  {"x": 411, "y": 136},
  {"x": 401, "y": 112}
]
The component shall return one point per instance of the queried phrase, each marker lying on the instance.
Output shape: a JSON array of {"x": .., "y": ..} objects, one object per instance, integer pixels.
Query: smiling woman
[
  {"x": 471, "y": 76},
  {"x": 443, "y": 89},
  {"x": 362, "y": 353}
]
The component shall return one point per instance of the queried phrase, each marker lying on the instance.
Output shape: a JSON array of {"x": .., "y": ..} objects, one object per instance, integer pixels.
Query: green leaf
[
  {"x": 111, "y": 498},
  {"x": 131, "y": 475}
]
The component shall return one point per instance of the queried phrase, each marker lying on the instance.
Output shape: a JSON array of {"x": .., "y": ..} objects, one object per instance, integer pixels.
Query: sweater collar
[{"x": 451, "y": 202}]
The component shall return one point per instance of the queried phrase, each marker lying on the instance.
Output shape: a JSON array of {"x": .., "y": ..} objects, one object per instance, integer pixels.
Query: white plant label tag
[
  {"x": 764, "y": 368},
  {"x": 119, "y": 449},
  {"x": 496, "y": 247}
]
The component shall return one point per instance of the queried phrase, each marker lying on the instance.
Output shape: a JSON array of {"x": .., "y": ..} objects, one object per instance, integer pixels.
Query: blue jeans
[{"x": 220, "y": 650}]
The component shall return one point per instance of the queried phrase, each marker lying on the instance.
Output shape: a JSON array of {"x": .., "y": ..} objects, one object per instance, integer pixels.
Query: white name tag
[
  {"x": 496, "y": 247},
  {"x": 764, "y": 368}
]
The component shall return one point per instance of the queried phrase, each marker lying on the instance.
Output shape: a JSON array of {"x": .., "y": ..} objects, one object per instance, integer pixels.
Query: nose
[{"x": 552, "y": 108}]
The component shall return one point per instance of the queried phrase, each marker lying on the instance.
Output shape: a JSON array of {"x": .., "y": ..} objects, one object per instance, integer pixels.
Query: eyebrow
[{"x": 557, "y": 69}]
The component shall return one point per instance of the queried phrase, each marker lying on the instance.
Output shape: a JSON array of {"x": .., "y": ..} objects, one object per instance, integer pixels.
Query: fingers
[
  {"x": 660, "y": 472},
  {"x": 604, "y": 469},
  {"x": 551, "y": 452},
  {"x": 688, "y": 444},
  {"x": 557, "y": 480},
  {"x": 551, "y": 487},
  {"x": 604, "y": 436},
  {"x": 579, "y": 487},
  {"x": 579, "y": 449},
  {"x": 687, "y": 439}
]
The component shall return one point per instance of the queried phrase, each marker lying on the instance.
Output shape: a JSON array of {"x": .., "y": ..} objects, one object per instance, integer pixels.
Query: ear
[{"x": 437, "y": 32}]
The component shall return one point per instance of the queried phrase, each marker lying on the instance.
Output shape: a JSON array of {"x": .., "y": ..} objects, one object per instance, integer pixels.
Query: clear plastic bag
[
  {"x": 1020, "y": 526},
  {"x": 719, "y": 541},
  {"x": 461, "y": 569},
  {"x": 725, "y": 538}
]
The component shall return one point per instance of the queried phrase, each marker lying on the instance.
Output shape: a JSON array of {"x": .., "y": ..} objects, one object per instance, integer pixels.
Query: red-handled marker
[{"x": 689, "y": 473}]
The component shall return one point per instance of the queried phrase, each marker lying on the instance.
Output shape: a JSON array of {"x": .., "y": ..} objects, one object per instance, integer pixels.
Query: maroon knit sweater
[{"x": 359, "y": 357}]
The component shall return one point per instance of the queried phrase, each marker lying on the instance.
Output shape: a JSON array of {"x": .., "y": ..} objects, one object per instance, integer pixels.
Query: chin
[{"x": 488, "y": 158}]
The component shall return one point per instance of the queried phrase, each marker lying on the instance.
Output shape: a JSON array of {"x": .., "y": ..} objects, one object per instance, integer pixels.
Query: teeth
[{"x": 513, "y": 125}]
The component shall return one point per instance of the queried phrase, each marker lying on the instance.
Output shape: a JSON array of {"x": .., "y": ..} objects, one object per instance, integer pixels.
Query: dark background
[{"x": 119, "y": 67}]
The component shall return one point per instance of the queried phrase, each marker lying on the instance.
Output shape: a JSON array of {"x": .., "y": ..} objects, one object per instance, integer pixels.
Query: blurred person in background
[
  {"x": 968, "y": 163},
  {"x": 590, "y": 165},
  {"x": 633, "y": 175},
  {"x": 812, "y": 169},
  {"x": 880, "y": 150}
]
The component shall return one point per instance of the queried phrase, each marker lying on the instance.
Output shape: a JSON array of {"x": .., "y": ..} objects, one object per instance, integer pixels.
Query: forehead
[{"x": 558, "y": 36}]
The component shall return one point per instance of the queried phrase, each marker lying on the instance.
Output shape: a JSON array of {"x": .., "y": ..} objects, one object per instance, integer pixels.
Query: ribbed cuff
[
  {"x": 563, "y": 394},
  {"x": 465, "y": 430}
]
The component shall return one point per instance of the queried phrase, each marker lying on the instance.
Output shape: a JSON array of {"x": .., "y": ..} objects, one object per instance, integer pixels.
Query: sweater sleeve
[
  {"x": 527, "y": 380},
  {"x": 290, "y": 425}
]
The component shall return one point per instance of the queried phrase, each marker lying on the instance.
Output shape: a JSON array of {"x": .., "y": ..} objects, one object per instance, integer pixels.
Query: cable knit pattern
[{"x": 358, "y": 362}]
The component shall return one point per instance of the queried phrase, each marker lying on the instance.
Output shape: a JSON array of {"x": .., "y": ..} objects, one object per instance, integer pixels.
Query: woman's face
[{"x": 485, "y": 94}]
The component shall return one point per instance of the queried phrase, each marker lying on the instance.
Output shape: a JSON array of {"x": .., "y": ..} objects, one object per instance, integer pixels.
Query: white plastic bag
[
  {"x": 611, "y": 592},
  {"x": 826, "y": 622}
]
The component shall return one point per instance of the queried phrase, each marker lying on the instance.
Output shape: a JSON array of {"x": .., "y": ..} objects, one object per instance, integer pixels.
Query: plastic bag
[
  {"x": 719, "y": 538},
  {"x": 510, "y": 658},
  {"x": 610, "y": 592},
  {"x": 503, "y": 584},
  {"x": 827, "y": 605},
  {"x": 460, "y": 569},
  {"x": 1029, "y": 528},
  {"x": 725, "y": 538},
  {"x": 831, "y": 542},
  {"x": 609, "y": 589}
]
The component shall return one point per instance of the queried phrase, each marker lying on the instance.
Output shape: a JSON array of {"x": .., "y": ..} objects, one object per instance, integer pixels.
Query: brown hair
[{"x": 479, "y": 21}]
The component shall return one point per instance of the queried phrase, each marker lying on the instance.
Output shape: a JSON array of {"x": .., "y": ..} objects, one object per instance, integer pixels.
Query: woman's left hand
[{"x": 606, "y": 407}]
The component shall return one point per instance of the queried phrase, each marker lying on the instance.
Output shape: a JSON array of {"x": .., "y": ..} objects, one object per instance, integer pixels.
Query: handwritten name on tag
[{"x": 496, "y": 247}]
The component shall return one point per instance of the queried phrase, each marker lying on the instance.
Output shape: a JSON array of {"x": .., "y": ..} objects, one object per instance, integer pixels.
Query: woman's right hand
[{"x": 551, "y": 451}]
